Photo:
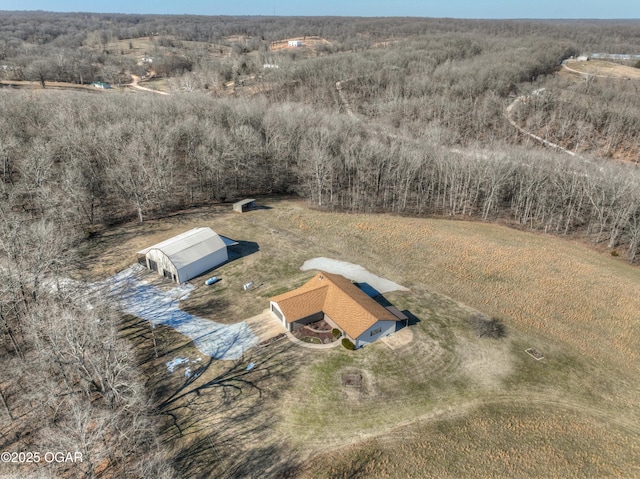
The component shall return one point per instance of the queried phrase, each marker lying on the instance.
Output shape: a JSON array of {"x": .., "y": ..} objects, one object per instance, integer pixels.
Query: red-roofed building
[{"x": 339, "y": 301}]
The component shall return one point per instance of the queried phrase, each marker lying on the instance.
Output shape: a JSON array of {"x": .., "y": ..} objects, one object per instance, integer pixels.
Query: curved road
[{"x": 134, "y": 84}]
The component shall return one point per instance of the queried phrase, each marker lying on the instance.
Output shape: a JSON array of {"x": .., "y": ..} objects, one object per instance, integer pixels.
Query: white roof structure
[{"x": 188, "y": 254}]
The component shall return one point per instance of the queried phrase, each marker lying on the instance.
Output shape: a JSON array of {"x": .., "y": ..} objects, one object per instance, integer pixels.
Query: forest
[{"x": 400, "y": 115}]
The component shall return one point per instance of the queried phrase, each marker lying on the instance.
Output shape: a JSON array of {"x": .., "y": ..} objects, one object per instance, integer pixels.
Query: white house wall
[{"x": 386, "y": 328}]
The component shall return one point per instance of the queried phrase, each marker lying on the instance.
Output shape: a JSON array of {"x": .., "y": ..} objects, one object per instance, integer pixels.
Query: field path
[
  {"x": 455, "y": 410},
  {"x": 524, "y": 98},
  {"x": 343, "y": 98},
  {"x": 134, "y": 84}
]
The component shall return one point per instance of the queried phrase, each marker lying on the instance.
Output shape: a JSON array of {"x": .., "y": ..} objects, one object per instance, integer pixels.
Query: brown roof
[{"x": 346, "y": 304}]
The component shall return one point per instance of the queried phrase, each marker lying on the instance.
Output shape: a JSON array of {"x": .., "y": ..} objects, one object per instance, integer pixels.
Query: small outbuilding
[
  {"x": 244, "y": 205},
  {"x": 187, "y": 255},
  {"x": 295, "y": 43}
]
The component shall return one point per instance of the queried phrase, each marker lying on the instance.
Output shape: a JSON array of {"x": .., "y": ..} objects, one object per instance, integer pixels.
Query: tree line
[{"x": 99, "y": 159}]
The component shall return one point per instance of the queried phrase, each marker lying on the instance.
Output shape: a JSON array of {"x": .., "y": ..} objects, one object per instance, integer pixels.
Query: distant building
[
  {"x": 147, "y": 60},
  {"x": 582, "y": 58},
  {"x": 295, "y": 43},
  {"x": 100, "y": 84},
  {"x": 270, "y": 65},
  {"x": 244, "y": 205}
]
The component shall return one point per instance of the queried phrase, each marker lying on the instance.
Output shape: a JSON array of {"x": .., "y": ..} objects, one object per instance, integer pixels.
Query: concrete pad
[
  {"x": 354, "y": 272},
  {"x": 265, "y": 325},
  {"x": 399, "y": 338}
]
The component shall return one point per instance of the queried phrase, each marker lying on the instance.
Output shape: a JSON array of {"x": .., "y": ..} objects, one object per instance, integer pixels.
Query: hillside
[
  {"x": 479, "y": 404},
  {"x": 461, "y": 159}
]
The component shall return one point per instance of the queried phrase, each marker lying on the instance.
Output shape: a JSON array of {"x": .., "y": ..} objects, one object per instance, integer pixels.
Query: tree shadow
[{"x": 221, "y": 420}]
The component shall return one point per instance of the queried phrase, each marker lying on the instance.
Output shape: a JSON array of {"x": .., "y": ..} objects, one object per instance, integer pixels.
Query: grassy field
[
  {"x": 446, "y": 404},
  {"x": 605, "y": 69}
]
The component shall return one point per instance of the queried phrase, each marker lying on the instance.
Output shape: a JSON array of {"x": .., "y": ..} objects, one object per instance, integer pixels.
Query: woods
[{"x": 132, "y": 157}]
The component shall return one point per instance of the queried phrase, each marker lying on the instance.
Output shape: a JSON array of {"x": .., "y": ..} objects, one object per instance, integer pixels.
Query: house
[
  {"x": 244, "y": 205},
  {"x": 187, "y": 255},
  {"x": 295, "y": 43},
  {"x": 342, "y": 304}
]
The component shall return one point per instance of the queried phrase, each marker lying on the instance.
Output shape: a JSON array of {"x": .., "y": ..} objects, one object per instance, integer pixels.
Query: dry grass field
[
  {"x": 308, "y": 43},
  {"x": 445, "y": 404},
  {"x": 143, "y": 46},
  {"x": 605, "y": 69}
]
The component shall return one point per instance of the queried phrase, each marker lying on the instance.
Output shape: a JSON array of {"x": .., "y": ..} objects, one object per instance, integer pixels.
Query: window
[{"x": 376, "y": 331}]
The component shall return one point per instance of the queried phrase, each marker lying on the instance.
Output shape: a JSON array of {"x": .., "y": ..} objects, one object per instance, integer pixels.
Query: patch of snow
[
  {"x": 187, "y": 373},
  {"x": 171, "y": 365},
  {"x": 352, "y": 271},
  {"x": 136, "y": 296}
]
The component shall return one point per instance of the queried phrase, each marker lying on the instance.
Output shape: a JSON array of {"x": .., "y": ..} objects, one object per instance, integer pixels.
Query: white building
[
  {"x": 187, "y": 255},
  {"x": 295, "y": 43}
]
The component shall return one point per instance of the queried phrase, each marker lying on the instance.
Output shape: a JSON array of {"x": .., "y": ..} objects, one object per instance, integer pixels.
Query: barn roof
[
  {"x": 189, "y": 246},
  {"x": 349, "y": 307}
]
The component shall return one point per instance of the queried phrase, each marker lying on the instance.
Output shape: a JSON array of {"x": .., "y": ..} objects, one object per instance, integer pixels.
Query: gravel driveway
[{"x": 352, "y": 271}]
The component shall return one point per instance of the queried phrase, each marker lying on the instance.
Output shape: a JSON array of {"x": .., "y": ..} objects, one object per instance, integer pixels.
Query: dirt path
[
  {"x": 521, "y": 99},
  {"x": 343, "y": 98},
  {"x": 618, "y": 72},
  {"x": 49, "y": 85},
  {"x": 134, "y": 84},
  {"x": 457, "y": 409}
]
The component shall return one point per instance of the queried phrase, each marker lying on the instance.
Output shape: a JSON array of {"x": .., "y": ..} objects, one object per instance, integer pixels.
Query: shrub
[
  {"x": 348, "y": 344},
  {"x": 336, "y": 333},
  {"x": 487, "y": 327},
  {"x": 614, "y": 253}
]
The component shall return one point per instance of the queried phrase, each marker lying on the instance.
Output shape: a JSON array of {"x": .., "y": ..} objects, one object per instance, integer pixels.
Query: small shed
[
  {"x": 295, "y": 43},
  {"x": 244, "y": 205}
]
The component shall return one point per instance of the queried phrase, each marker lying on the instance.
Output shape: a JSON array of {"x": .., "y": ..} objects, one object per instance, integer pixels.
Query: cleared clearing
[
  {"x": 478, "y": 404},
  {"x": 308, "y": 42},
  {"x": 604, "y": 69}
]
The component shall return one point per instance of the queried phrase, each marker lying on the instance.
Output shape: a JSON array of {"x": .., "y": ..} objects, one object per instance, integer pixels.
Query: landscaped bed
[{"x": 319, "y": 332}]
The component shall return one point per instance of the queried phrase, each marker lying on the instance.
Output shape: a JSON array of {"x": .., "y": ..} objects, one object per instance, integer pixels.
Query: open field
[
  {"x": 144, "y": 47},
  {"x": 478, "y": 404},
  {"x": 605, "y": 69},
  {"x": 308, "y": 42}
]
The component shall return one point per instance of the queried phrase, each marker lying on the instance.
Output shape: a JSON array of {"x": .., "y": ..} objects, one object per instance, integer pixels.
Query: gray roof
[
  {"x": 189, "y": 246},
  {"x": 244, "y": 202}
]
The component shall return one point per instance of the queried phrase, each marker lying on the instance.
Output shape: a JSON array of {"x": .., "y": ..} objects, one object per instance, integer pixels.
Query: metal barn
[{"x": 187, "y": 255}]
